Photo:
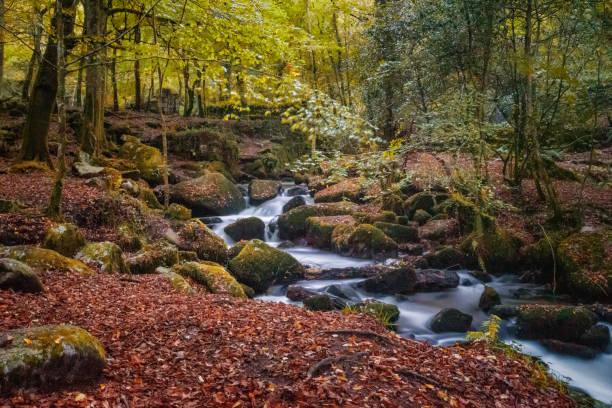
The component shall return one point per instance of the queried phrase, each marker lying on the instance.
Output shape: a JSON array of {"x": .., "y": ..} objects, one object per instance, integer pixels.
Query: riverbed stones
[
  {"x": 194, "y": 235},
  {"x": 434, "y": 280},
  {"x": 261, "y": 191},
  {"x": 399, "y": 233},
  {"x": 319, "y": 230},
  {"x": 18, "y": 276},
  {"x": 439, "y": 229},
  {"x": 210, "y": 194},
  {"x": 292, "y": 225},
  {"x": 363, "y": 241},
  {"x": 347, "y": 189},
  {"x": 385, "y": 312},
  {"x": 298, "y": 293},
  {"x": 419, "y": 201},
  {"x": 152, "y": 256},
  {"x": 214, "y": 277},
  {"x": 48, "y": 355},
  {"x": 64, "y": 238},
  {"x": 565, "y": 323},
  {"x": 297, "y": 191},
  {"x": 400, "y": 280},
  {"x": 445, "y": 257},
  {"x": 421, "y": 216},
  {"x": 178, "y": 212},
  {"x": 321, "y": 303},
  {"x": 451, "y": 320},
  {"x": 246, "y": 228},
  {"x": 44, "y": 259},
  {"x": 489, "y": 298},
  {"x": 147, "y": 159},
  {"x": 106, "y": 255},
  {"x": 294, "y": 202}
]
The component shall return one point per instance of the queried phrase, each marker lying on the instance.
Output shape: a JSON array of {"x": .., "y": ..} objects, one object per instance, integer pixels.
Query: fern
[{"x": 489, "y": 333}]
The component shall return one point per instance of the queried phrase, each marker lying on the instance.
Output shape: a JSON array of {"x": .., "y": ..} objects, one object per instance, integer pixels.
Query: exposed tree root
[{"x": 327, "y": 362}]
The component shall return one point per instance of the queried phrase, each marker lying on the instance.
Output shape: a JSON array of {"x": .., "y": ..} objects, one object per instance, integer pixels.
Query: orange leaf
[{"x": 28, "y": 341}]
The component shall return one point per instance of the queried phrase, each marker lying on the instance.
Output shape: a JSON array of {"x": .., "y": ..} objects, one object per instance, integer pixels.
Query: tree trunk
[
  {"x": 34, "y": 63},
  {"x": 164, "y": 138},
  {"x": 188, "y": 92},
  {"x": 137, "y": 85},
  {"x": 114, "y": 81},
  {"x": 313, "y": 61},
  {"x": 42, "y": 100},
  {"x": 2, "y": 11},
  {"x": 78, "y": 92}
]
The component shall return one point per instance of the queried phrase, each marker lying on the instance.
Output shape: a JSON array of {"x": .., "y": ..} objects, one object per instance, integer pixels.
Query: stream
[{"x": 593, "y": 376}]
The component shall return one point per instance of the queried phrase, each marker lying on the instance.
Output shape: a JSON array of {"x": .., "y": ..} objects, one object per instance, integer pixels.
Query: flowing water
[{"x": 593, "y": 376}]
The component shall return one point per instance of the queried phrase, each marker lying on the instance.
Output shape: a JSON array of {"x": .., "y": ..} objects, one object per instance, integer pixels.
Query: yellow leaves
[
  {"x": 28, "y": 341},
  {"x": 80, "y": 397},
  {"x": 298, "y": 325},
  {"x": 58, "y": 340},
  {"x": 237, "y": 404},
  {"x": 357, "y": 387},
  {"x": 271, "y": 387},
  {"x": 342, "y": 378}
]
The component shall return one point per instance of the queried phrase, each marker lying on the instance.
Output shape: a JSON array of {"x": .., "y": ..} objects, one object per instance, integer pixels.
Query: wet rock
[
  {"x": 404, "y": 220},
  {"x": 434, "y": 280},
  {"x": 235, "y": 249},
  {"x": 421, "y": 216},
  {"x": 246, "y": 228},
  {"x": 299, "y": 293},
  {"x": 445, "y": 257},
  {"x": 347, "y": 189},
  {"x": 345, "y": 273},
  {"x": 372, "y": 218},
  {"x": 603, "y": 311},
  {"x": 412, "y": 249},
  {"x": 451, "y": 320},
  {"x": 293, "y": 203},
  {"x": 51, "y": 356},
  {"x": 565, "y": 323},
  {"x": 399, "y": 233},
  {"x": 363, "y": 241},
  {"x": 439, "y": 230},
  {"x": 19, "y": 277},
  {"x": 211, "y": 220},
  {"x": 214, "y": 277},
  {"x": 65, "y": 239},
  {"x": 106, "y": 255},
  {"x": 263, "y": 190},
  {"x": 210, "y": 194},
  {"x": 342, "y": 291},
  {"x": 259, "y": 266},
  {"x": 319, "y": 303},
  {"x": 147, "y": 196},
  {"x": 489, "y": 298},
  {"x": 572, "y": 349},
  {"x": 297, "y": 191},
  {"x": 393, "y": 281},
  {"x": 248, "y": 291},
  {"x": 597, "y": 337},
  {"x": 285, "y": 245},
  {"x": 292, "y": 224},
  {"x": 419, "y": 201},
  {"x": 498, "y": 249},
  {"x": 194, "y": 235},
  {"x": 147, "y": 159},
  {"x": 177, "y": 282},
  {"x": 319, "y": 230},
  {"x": 481, "y": 276},
  {"x": 504, "y": 311},
  {"x": 385, "y": 312},
  {"x": 178, "y": 212},
  {"x": 44, "y": 259},
  {"x": 152, "y": 256}
]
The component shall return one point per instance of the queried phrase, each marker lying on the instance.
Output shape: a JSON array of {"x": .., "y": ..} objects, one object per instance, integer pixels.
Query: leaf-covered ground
[{"x": 171, "y": 350}]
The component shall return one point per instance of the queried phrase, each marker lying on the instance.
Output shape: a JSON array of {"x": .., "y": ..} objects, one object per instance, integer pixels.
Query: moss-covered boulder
[
  {"x": 497, "y": 250},
  {"x": 468, "y": 215},
  {"x": 445, "y": 257},
  {"x": 347, "y": 189},
  {"x": 294, "y": 202},
  {"x": 439, "y": 229},
  {"x": 44, "y": 259},
  {"x": 451, "y": 320},
  {"x": 597, "y": 337},
  {"x": 178, "y": 283},
  {"x": 371, "y": 218},
  {"x": 421, "y": 216},
  {"x": 246, "y": 228},
  {"x": 393, "y": 203},
  {"x": 7, "y": 206},
  {"x": 435, "y": 280},
  {"x": 18, "y": 276},
  {"x": 319, "y": 229},
  {"x": 235, "y": 249},
  {"x": 64, "y": 238},
  {"x": 48, "y": 356},
  {"x": 148, "y": 160},
  {"x": 585, "y": 264},
  {"x": 565, "y": 323},
  {"x": 210, "y": 194},
  {"x": 322, "y": 303},
  {"x": 153, "y": 256},
  {"x": 212, "y": 276},
  {"x": 195, "y": 236},
  {"x": 488, "y": 299},
  {"x": 178, "y": 212},
  {"x": 258, "y": 265},
  {"x": 292, "y": 224},
  {"x": 419, "y": 201},
  {"x": 400, "y": 280},
  {"x": 384, "y": 312},
  {"x": 147, "y": 196},
  {"x": 106, "y": 255},
  {"x": 263, "y": 190},
  {"x": 363, "y": 241},
  {"x": 399, "y": 233}
]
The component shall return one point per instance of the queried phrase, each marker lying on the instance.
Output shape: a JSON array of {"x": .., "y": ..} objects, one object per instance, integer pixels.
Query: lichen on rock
[
  {"x": 106, "y": 255},
  {"x": 212, "y": 276},
  {"x": 64, "y": 238},
  {"x": 44, "y": 259}
]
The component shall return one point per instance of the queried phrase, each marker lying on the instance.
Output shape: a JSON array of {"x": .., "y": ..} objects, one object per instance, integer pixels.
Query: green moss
[
  {"x": 150, "y": 257},
  {"x": 179, "y": 283},
  {"x": 419, "y": 201},
  {"x": 565, "y": 323},
  {"x": 421, "y": 216},
  {"x": 489, "y": 298},
  {"x": 467, "y": 214},
  {"x": 393, "y": 203},
  {"x": 148, "y": 160},
  {"x": 347, "y": 189},
  {"x": 399, "y": 233},
  {"x": 236, "y": 248},
  {"x": 178, "y": 212},
  {"x": 211, "y": 194},
  {"x": 367, "y": 218},
  {"x": 64, "y": 238},
  {"x": 293, "y": 223},
  {"x": 29, "y": 166},
  {"x": 248, "y": 291},
  {"x": 246, "y": 228},
  {"x": 195, "y": 236},
  {"x": 497, "y": 251},
  {"x": 319, "y": 229},
  {"x": 321, "y": 303},
  {"x": 107, "y": 255},
  {"x": 18, "y": 276},
  {"x": 44, "y": 259},
  {"x": 147, "y": 196},
  {"x": 259, "y": 266},
  {"x": 445, "y": 257},
  {"x": 213, "y": 276},
  {"x": 363, "y": 241},
  {"x": 7, "y": 206},
  {"x": 188, "y": 256},
  {"x": 384, "y": 312}
]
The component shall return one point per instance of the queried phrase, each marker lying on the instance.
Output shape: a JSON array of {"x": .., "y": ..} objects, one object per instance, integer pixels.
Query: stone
[
  {"x": 400, "y": 280},
  {"x": 321, "y": 303},
  {"x": 445, "y": 257},
  {"x": 211, "y": 220},
  {"x": 51, "y": 356},
  {"x": 194, "y": 235},
  {"x": 451, "y": 320},
  {"x": 178, "y": 212},
  {"x": 347, "y": 189},
  {"x": 246, "y": 228},
  {"x": 19, "y": 277},
  {"x": 7, "y": 206},
  {"x": 399, "y": 233},
  {"x": 419, "y": 201},
  {"x": 292, "y": 224},
  {"x": 297, "y": 191},
  {"x": 504, "y": 311},
  {"x": 298, "y": 293},
  {"x": 293, "y": 203},
  {"x": 147, "y": 159},
  {"x": 285, "y": 245},
  {"x": 177, "y": 282},
  {"x": 565, "y": 323},
  {"x": 489, "y": 298},
  {"x": 434, "y": 280},
  {"x": 597, "y": 337},
  {"x": 214, "y": 277},
  {"x": 106, "y": 255},
  {"x": 263, "y": 190},
  {"x": 363, "y": 241},
  {"x": 319, "y": 230},
  {"x": 152, "y": 256},
  {"x": 45, "y": 259},
  {"x": 498, "y": 249},
  {"x": 439, "y": 230},
  {"x": 210, "y": 194},
  {"x": 64, "y": 238},
  {"x": 385, "y": 312},
  {"x": 562, "y": 347},
  {"x": 421, "y": 216}
]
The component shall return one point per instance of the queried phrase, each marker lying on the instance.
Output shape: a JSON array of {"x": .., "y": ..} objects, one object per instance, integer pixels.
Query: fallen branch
[
  {"x": 422, "y": 378},
  {"x": 327, "y": 362},
  {"x": 361, "y": 333}
]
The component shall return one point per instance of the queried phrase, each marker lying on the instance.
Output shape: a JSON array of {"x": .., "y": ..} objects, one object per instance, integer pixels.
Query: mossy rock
[
  {"x": 235, "y": 249},
  {"x": 319, "y": 229},
  {"x": 152, "y": 256},
  {"x": 445, "y": 257},
  {"x": 246, "y": 228},
  {"x": 393, "y": 203},
  {"x": 421, "y": 216},
  {"x": 497, "y": 251},
  {"x": 489, "y": 298},
  {"x": 19, "y": 277},
  {"x": 385, "y": 312},
  {"x": 294, "y": 202},
  {"x": 367, "y": 218},
  {"x": 211, "y": 194},
  {"x": 258, "y": 265},
  {"x": 292, "y": 224},
  {"x": 565, "y": 323},
  {"x": 212, "y": 276},
  {"x": 263, "y": 190},
  {"x": 148, "y": 160},
  {"x": 585, "y": 263},
  {"x": 107, "y": 255},
  {"x": 48, "y": 356},
  {"x": 363, "y": 241},
  {"x": 468, "y": 215},
  {"x": 178, "y": 212},
  {"x": 419, "y": 201},
  {"x": 29, "y": 166},
  {"x": 44, "y": 259},
  {"x": 147, "y": 196},
  {"x": 7, "y": 206},
  {"x": 439, "y": 230},
  {"x": 179, "y": 283},
  {"x": 195, "y": 236},
  {"x": 248, "y": 291},
  {"x": 65, "y": 239},
  {"x": 400, "y": 280},
  {"x": 322, "y": 303},
  {"x": 399, "y": 233},
  {"x": 188, "y": 256},
  {"x": 542, "y": 254},
  {"x": 451, "y": 320},
  {"x": 597, "y": 337},
  {"x": 347, "y": 189}
]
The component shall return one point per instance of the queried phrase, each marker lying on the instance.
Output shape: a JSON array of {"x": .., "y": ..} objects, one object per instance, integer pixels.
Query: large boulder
[
  {"x": 177, "y": 282},
  {"x": 421, "y": 216},
  {"x": 565, "y": 323},
  {"x": 497, "y": 249},
  {"x": 419, "y": 201},
  {"x": 349, "y": 189},
  {"x": 149, "y": 258},
  {"x": 246, "y": 228},
  {"x": 263, "y": 190},
  {"x": 319, "y": 229},
  {"x": 147, "y": 159},
  {"x": 106, "y": 255},
  {"x": 258, "y": 265},
  {"x": 363, "y": 241},
  {"x": 211, "y": 275},
  {"x": 585, "y": 262},
  {"x": 48, "y": 356},
  {"x": 64, "y": 238},
  {"x": 439, "y": 230},
  {"x": 392, "y": 281},
  {"x": 488, "y": 299},
  {"x": 195, "y": 236},
  {"x": 297, "y": 191},
  {"x": 385, "y": 312},
  {"x": 597, "y": 337},
  {"x": 321, "y": 303},
  {"x": 292, "y": 224},
  {"x": 298, "y": 293},
  {"x": 451, "y": 320},
  {"x": 210, "y": 194},
  {"x": 18, "y": 276},
  {"x": 399, "y": 233},
  {"x": 434, "y": 280},
  {"x": 294, "y": 202},
  {"x": 445, "y": 257},
  {"x": 45, "y": 259},
  {"x": 178, "y": 212}
]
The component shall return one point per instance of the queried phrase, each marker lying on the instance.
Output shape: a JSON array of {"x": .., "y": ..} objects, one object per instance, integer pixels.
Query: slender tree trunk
[
  {"x": 78, "y": 91},
  {"x": 37, "y": 31},
  {"x": 137, "y": 85},
  {"x": 2, "y": 11},
  {"x": 188, "y": 92},
  {"x": 114, "y": 81},
  {"x": 313, "y": 61},
  {"x": 201, "y": 86},
  {"x": 339, "y": 58},
  {"x": 164, "y": 138}
]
